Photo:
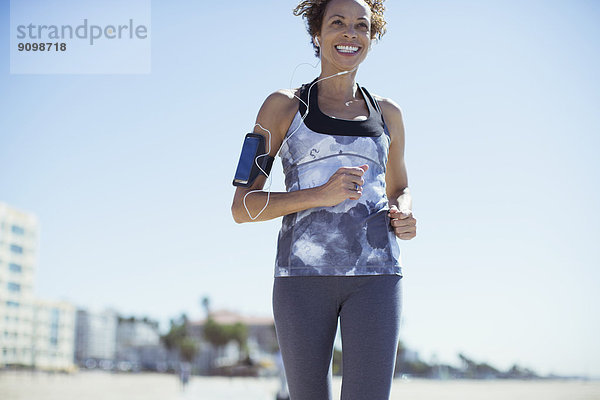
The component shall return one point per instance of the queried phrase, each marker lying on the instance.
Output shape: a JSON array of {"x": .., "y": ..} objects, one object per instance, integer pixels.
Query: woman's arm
[
  {"x": 396, "y": 178},
  {"x": 276, "y": 115}
]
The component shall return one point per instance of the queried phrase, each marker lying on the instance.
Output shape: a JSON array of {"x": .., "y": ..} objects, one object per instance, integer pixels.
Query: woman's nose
[{"x": 350, "y": 32}]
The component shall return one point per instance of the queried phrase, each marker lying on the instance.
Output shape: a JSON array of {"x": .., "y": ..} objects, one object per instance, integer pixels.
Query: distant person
[
  {"x": 347, "y": 201},
  {"x": 185, "y": 370}
]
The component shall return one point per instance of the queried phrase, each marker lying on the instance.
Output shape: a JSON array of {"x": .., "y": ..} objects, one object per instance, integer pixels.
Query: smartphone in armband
[{"x": 253, "y": 153}]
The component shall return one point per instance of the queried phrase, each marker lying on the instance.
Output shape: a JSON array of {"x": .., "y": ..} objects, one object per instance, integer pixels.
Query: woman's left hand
[{"x": 403, "y": 222}]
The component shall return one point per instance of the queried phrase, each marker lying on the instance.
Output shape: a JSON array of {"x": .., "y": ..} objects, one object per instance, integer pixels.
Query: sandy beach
[{"x": 102, "y": 385}]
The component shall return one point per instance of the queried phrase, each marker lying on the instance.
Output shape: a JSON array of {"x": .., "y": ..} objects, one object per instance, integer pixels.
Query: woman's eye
[
  {"x": 337, "y": 22},
  {"x": 364, "y": 26}
]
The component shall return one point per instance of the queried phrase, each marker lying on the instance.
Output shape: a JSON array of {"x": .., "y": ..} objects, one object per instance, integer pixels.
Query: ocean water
[{"x": 103, "y": 385}]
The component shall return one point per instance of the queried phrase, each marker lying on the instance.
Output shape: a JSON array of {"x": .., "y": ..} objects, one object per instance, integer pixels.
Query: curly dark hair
[{"x": 313, "y": 11}]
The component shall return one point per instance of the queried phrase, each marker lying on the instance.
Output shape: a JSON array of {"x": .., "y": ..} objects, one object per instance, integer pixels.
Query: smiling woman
[
  {"x": 347, "y": 202},
  {"x": 313, "y": 12}
]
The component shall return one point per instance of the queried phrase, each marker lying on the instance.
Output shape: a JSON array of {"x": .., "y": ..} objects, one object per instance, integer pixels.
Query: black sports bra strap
[
  {"x": 372, "y": 101},
  {"x": 321, "y": 123}
]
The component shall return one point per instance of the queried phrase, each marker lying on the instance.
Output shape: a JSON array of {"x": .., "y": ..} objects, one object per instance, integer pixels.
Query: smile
[{"x": 346, "y": 49}]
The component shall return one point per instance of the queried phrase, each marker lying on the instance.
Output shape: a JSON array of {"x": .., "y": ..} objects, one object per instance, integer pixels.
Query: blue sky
[{"x": 130, "y": 175}]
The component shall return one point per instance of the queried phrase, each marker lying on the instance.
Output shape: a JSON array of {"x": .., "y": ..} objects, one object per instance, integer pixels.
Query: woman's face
[{"x": 345, "y": 33}]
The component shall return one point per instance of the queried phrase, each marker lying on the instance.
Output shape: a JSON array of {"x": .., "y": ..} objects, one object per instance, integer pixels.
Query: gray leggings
[{"x": 306, "y": 311}]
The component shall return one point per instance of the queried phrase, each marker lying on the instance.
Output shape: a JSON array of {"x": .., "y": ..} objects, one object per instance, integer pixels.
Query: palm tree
[
  {"x": 178, "y": 339},
  {"x": 219, "y": 335},
  {"x": 206, "y": 305}
]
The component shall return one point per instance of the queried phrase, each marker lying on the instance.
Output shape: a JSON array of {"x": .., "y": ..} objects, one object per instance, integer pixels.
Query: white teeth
[{"x": 347, "y": 49}]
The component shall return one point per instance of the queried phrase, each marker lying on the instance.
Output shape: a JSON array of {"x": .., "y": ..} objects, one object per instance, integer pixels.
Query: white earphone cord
[{"x": 269, "y": 179}]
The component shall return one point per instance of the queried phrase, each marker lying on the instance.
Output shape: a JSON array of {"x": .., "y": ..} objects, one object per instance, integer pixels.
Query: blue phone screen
[{"x": 242, "y": 174}]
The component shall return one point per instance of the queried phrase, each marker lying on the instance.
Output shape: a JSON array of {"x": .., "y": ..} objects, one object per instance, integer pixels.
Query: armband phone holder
[{"x": 253, "y": 153}]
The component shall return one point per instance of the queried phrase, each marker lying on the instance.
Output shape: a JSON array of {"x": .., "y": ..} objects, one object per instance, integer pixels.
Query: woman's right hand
[{"x": 345, "y": 183}]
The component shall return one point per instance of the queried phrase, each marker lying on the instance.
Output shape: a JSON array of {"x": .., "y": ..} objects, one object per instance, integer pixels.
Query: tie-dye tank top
[{"x": 355, "y": 236}]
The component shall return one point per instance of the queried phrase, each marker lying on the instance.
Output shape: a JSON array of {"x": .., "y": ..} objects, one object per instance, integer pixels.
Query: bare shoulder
[
  {"x": 390, "y": 109},
  {"x": 277, "y": 112},
  {"x": 392, "y": 114},
  {"x": 281, "y": 102}
]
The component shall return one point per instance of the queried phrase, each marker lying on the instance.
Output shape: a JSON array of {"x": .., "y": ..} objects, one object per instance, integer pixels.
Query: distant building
[
  {"x": 132, "y": 332},
  {"x": 53, "y": 335},
  {"x": 262, "y": 340},
  {"x": 138, "y": 344},
  {"x": 261, "y": 330},
  {"x": 96, "y": 338},
  {"x": 18, "y": 247},
  {"x": 33, "y": 333}
]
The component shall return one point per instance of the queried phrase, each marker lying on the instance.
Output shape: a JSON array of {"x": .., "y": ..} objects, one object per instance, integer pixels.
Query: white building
[
  {"x": 138, "y": 344},
  {"x": 53, "y": 335},
  {"x": 33, "y": 332},
  {"x": 18, "y": 244},
  {"x": 96, "y": 336},
  {"x": 134, "y": 332}
]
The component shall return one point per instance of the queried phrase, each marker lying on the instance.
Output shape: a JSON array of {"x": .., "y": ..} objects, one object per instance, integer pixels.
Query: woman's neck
[{"x": 341, "y": 87}]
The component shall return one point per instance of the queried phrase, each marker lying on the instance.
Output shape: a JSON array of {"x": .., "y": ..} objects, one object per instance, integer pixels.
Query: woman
[{"x": 347, "y": 200}]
